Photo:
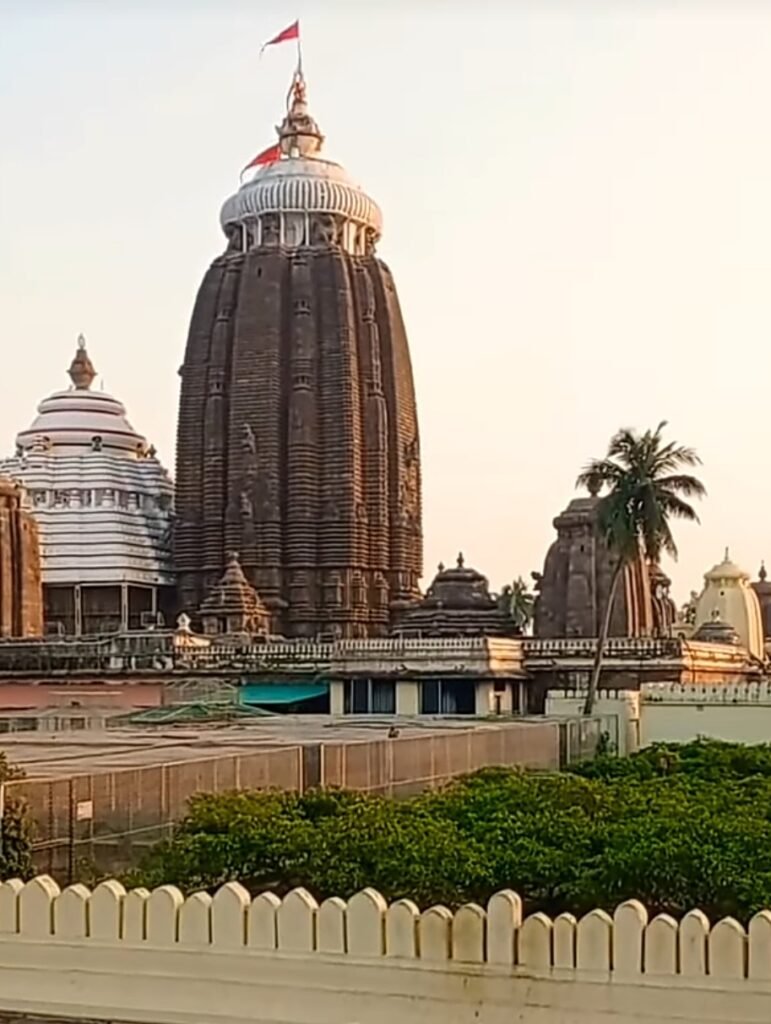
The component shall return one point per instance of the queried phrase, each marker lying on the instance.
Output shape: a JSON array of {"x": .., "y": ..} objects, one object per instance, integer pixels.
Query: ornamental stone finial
[{"x": 82, "y": 370}]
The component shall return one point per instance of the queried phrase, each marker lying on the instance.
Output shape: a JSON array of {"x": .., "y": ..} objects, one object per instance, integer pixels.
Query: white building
[{"x": 103, "y": 504}]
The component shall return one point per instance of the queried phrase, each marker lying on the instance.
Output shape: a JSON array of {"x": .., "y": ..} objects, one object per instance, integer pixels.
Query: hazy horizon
[{"x": 576, "y": 212}]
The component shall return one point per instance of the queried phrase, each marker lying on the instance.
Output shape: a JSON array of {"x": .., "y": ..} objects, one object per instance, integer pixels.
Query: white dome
[
  {"x": 297, "y": 184},
  {"x": 299, "y": 198},
  {"x": 80, "y": 419},
  {"x": 102, "y": 501},
  {"x": 77, "y": 420}
]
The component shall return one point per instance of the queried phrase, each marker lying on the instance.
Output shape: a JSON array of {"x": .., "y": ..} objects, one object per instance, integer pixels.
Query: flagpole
[{"x": 299, "y": 51}]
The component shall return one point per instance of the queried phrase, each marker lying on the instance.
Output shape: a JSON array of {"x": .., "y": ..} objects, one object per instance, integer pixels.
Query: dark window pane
[
  {"x": 458, "y": 697},
  {"x": 383, "y": 697},
  {"x": 360, "y": 696},
  {"x": 429, "y": 697}
]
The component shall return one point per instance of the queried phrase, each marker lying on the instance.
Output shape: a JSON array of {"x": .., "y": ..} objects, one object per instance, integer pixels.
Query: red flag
[
  {"x": 267, "y": 156},
  {"x": 292, "y": 32}
]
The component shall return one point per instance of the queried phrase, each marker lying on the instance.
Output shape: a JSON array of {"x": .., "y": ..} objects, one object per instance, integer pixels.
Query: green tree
[
  {"x": 646, "y": 489},
  {"x": 677, "y": 827},
  {"x": 517, "y": 602},
  {"x": 16, "y": 828}
]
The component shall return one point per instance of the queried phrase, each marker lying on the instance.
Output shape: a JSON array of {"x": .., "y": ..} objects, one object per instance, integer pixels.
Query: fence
[
  {"x": 414, "y": 763},
  {"x": 158, "y": 957},
  {"x": 107, "y": 818}
]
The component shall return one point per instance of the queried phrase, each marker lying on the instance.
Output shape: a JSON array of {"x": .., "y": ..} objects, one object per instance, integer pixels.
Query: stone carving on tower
[{"x": 298, "y": 441}]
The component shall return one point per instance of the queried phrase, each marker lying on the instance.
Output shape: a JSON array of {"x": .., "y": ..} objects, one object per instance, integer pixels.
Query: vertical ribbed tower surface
[{"x": 297, "y": 440}]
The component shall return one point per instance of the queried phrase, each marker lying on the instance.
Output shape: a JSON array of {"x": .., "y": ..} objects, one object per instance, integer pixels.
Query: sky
[{"x": 577, "y": 213}]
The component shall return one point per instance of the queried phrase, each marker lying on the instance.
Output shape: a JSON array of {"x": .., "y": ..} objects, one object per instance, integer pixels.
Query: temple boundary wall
[
  {"x": 157, "y": 957},
  {"x": 671, "y": 712}
]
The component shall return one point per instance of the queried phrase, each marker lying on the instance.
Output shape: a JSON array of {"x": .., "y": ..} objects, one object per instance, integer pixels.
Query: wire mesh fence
[{"x": 102, "y": 822}]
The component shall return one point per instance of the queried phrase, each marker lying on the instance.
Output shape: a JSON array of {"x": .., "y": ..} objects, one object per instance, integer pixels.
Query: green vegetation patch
[{"x": 674, "y": 826}]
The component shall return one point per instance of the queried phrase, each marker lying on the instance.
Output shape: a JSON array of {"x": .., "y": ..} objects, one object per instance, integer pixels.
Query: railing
[
  {"x": 162, "y": 651},
  {"x": 617, "y": 647}
]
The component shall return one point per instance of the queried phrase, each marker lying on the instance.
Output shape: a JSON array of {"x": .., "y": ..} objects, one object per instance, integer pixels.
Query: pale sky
[{"x": 577, "y": 206}]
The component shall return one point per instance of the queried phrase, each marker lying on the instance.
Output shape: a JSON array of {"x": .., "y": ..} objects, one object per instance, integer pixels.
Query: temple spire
[
  {"x": 299, "y": 135},
  {"x": 81, "y": 369}
]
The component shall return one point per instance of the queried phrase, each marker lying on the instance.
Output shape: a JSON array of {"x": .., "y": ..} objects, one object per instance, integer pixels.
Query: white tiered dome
[
  {"x": 279, "y": 202},
  {"x": 77, "y": 420},
  {"x": 102, "y": 500}
]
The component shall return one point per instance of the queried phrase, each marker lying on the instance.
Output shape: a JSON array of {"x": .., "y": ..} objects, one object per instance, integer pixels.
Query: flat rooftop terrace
[{"x": 63, "y": 754}]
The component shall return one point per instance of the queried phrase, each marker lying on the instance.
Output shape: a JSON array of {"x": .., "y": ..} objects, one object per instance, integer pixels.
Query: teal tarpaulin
[{"x": 281, "y": 693}]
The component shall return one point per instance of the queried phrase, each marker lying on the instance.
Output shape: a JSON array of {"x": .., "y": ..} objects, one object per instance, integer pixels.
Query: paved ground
[{"x": 61, "y": 754}]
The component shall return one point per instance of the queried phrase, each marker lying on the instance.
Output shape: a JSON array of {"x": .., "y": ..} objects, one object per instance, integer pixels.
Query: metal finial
[
  {"x": 763, "y": 574},
  {"x": 461, "y": 560}
]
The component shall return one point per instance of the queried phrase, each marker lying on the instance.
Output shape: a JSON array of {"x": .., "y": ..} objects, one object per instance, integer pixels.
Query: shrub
[{"x": 677, "y": 827}]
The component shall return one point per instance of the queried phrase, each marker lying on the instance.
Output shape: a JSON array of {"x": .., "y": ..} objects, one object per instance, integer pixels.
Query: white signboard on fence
[{"x": 84, "y": 810}]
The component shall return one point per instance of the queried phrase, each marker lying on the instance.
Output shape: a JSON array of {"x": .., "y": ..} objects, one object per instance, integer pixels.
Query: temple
[
  {"x": 233, "y": 605},
  {"x": 21, "y": 602},
  {"x": 103, "y": 506},
  {"x": 297, "y": 441},
  {"x": 457, "y": 603},
  {"x": 573, "y": 589},
  {"x": 728, "y": 600}
]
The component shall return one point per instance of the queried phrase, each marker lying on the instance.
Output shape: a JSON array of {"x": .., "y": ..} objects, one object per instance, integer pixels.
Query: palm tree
[
  {"x": 646, "y": 488},
  {"x": 517, "y": 602}
]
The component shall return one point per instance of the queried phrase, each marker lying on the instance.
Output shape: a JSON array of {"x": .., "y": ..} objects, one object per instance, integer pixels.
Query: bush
[
  {"x": 677, "y": 827},
  {"x": 15, "y": 840}
]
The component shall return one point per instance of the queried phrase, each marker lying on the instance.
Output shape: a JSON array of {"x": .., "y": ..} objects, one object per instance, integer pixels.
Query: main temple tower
[{"x": 297, "y": 441}]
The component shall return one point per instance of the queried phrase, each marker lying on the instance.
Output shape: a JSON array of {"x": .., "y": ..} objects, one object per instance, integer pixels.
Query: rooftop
[{"x": 60, "y": 755}]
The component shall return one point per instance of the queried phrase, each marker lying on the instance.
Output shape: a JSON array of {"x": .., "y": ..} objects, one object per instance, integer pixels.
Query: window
[
  {"x": 369, "y": 696},
  {"x": 448, "y": 697}
]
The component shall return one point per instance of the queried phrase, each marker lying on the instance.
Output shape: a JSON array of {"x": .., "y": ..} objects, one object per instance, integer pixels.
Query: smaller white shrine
[
  {"x": 103, "y": 504},
  {"x": 728, "y": 601}
]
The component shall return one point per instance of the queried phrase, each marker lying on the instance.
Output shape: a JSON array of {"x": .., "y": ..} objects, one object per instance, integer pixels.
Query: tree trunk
[{"x": 594, "y": 680}]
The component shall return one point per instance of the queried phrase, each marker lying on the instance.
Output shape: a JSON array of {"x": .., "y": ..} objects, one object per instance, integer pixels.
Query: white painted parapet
[{"x": 161, "y": 958}]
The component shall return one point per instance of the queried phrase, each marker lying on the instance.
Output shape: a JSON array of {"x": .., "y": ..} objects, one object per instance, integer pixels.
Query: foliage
[
  {"x": 15, "y": 840},
  {"x": 676, "y": 827},
  {"x": 646, "y": 489},
  {"x": 516, "y": 600}
]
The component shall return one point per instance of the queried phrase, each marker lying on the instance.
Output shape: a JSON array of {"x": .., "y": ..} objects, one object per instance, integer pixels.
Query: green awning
[{"x": 281, "y": 693}]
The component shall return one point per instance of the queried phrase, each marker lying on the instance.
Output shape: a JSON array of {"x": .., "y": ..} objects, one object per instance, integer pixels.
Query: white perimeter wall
[
  {"x": 678, "y": 713},
  {"x": 160, "y": 959}
]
